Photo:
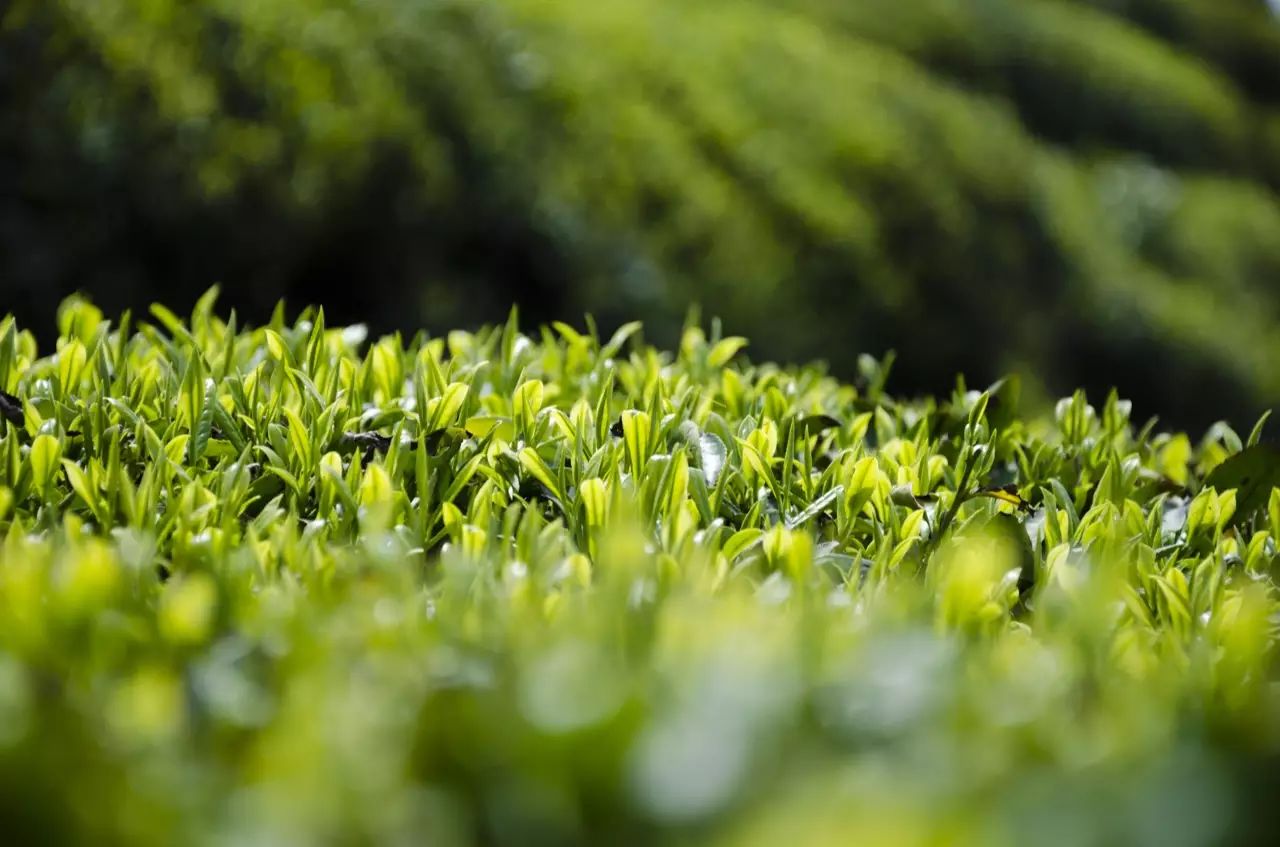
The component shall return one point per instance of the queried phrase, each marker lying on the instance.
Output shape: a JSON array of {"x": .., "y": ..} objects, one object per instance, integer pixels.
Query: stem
[{"x": 950, "y": 515}]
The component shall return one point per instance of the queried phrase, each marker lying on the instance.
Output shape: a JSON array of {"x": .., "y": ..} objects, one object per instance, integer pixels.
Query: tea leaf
[
  {"x": 46, "y": 451},
  {"x": 1253, "y": 473}
]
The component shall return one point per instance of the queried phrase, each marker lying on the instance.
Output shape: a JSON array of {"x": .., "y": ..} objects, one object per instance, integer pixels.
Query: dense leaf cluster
[
  {"x": 1089, "y": 184},
  {"x": 287, "y": 584}
]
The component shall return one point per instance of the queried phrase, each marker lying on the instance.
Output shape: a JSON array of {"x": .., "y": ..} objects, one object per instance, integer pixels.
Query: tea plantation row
[{"x": 290, "y": 585}]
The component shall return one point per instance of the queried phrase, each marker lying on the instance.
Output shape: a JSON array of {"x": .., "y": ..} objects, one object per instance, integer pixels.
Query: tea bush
[
  {"x": 814, "y": 168},
  {"x": 287, "y": 584}
]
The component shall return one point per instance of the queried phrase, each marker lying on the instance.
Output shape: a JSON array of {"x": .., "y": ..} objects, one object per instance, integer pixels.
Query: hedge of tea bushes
[
  {"x": 296, "y": 584},
  {"x": 1088, "y": 189}
]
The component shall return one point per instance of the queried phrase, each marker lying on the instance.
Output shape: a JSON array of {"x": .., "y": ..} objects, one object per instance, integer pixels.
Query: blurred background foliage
[{"x": 1086, "y": 190}]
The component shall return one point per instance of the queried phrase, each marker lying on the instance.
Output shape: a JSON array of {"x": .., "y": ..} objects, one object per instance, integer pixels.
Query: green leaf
[
  {"x": 172, "y": 323},
  {"x": 752, "y": 459},
  {"x": 811, "y": 425},
  {"x": 533, "y": 464},
  {"x": 463, "y": 476},
  {"x": 1253, "y": 473},
  {"x": 276, "y": 346},
  {"x": 202, "y": 312},
  {"x": 741, "y": 541},
  {"x": 8, "y": 353},
  {"x": 84, "y": 489},
  {"x": 448, "y": 405},
  {"x": 71, "y": 363},
  {"x": 635, "y": 437},
  {"x": 46, "y": 450},
  {"x": 815, "y": 508},
  {"x": 299, "y": 438},
  {"x": 1255, "y": 436},
  {"x": 501, "y": 427},
  {"x": 204, "y": 423},
  {"x": 376, "y": 488},
  {"x": 724, "y": 350},
  {"x": 679, "y": 483},
  {"x": 527, "y": 402},
  {"x": 227, "y": 423},
  {"x": 1175, "y": 459},
  {"x": 1002, "y": 407},
  {"x": 619, "y": 338},
  {"x": 594, "y": 496},
  {"x": 568, "y": 333},
  {"x": 176, "y": 447}
]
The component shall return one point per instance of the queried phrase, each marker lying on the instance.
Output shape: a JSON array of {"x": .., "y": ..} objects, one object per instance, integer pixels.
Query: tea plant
[
  {"x": 288, "y": 585},
  {"x": 783, "y": 159}
]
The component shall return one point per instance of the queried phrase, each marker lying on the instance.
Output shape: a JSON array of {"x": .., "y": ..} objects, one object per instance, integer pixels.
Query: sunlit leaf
[{"x": 46, "y": 451}]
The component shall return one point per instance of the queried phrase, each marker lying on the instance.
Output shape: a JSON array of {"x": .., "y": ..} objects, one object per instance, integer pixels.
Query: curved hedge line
[
  {"x": 1029, "y": 169},
  {"x": 283, "y": 585}
]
